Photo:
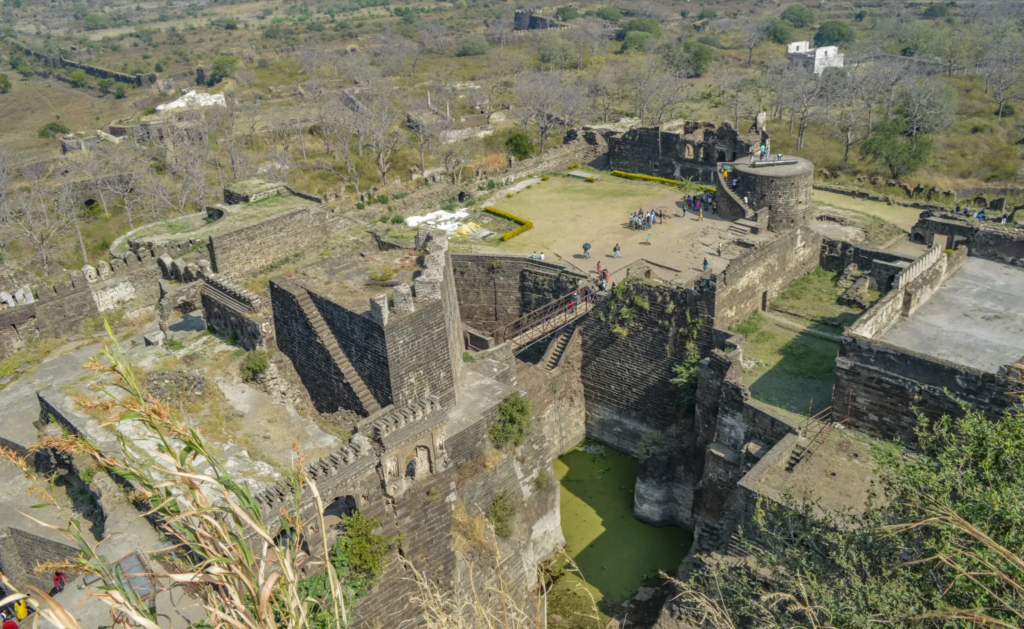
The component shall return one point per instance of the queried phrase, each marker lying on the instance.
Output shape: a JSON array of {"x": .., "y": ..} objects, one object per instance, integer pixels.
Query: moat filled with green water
[{"x": 613, "y": 550}]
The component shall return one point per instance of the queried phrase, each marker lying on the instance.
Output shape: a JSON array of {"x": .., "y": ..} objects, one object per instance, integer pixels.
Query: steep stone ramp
[{"x": 351, "y": 376}]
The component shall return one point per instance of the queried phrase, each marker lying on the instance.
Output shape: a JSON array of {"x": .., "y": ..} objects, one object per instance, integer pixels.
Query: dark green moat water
[{"x": 613, "y": 550}]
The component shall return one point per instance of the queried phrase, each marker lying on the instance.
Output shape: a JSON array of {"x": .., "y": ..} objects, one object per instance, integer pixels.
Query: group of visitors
[
  {"x": 762, "y": 155},
  {"x": 535, "y": 256},
  {"x": 642, "y": 219},
  {"x": 980, "y": 215},
  {"x": 698, "y": 204}
]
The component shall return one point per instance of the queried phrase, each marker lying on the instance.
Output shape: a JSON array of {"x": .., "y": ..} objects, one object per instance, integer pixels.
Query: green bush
[
  {"x": 699, "y": 57},
  {"x": 50, "y": 129},
  {"x": 648, "y": 441},
  {"x": 502, "y": 514},
  {"x": 567, "y": 13},
  {"x": 610, "y": 14},
  {"x": 779, "y": 32},
  {"x": 707, "y": 14},
  {"x": 643, "y": 25},
  {"x": 636, "y": 40},
  {"x": 519, "y": 145},
  {"x": 472, "y": 46},
  {"x": 936, "y": 11},
  {"x": 174, "y": 344},
  {"x": 834, "y": 33},
  {"x": 79, "y": 78},
  {"x": 589, "y": 179},
  {"x": 543, "y": 479},
  {"x": 798, "y": 16},
  {"x": 544, "y": 178},
  {"x": 5, "y": 83},
  {"x": 223, "y": 67},
  {"x": 254, "y": 363},
  {"x": 513, "y": 422}
]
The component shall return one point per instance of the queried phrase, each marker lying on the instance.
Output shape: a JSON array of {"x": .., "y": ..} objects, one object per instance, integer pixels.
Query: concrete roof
[{"x": 975, "y": 318}]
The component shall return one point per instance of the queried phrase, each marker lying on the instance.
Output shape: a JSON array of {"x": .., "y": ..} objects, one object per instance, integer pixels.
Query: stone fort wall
[
  {"x": 763, "y": 273},
  {"x": 983, "y": 241}
]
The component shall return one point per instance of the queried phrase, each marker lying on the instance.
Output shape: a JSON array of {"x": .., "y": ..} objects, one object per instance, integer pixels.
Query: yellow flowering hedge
[
  {"x": 524, "y": 224},
  {"x": 638, "y": 177}
]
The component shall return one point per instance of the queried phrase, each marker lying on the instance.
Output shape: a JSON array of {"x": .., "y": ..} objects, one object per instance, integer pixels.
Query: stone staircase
[
  {"x": 742, "y": 227},
  {"x": 558, "y": 345},
  {"x": 370, "y": 405}
]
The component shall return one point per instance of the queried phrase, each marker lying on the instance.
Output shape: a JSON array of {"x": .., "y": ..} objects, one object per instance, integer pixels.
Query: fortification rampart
[
  {"x": 945, "y": 229},
  {"x": 687, "y": 149},
  {"x": 58, "y": 61}
]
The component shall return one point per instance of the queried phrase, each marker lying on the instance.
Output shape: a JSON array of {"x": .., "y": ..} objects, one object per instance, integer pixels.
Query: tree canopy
[
  {"x": 798, "y": 16},
  {"x": 834, "y": 33}
]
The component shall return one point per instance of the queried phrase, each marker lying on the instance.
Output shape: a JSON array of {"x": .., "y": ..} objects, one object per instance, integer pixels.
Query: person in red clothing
[
  {"x": 10, "y": 624},
  {"x": 59, "y": 579}
]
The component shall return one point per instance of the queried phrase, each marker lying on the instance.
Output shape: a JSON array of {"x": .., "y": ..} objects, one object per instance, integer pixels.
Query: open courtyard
[{"x": 567, "y": 212}]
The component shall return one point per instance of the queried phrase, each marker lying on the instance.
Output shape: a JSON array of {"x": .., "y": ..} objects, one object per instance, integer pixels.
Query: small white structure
[
  {"x": 192, "y": 98},
  {"x": 816, "y": 59}
]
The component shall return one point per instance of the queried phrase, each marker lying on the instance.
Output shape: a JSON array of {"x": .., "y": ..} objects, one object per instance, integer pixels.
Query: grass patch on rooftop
[
  {"x": 815, "y": 297},
  {"x": 791, "y": 370}
]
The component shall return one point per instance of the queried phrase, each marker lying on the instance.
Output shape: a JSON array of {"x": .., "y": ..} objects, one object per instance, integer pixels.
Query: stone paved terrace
[
  {"x": 351, "y": 280},
  {"x": 839, "y": 475},
  {"x": 975, "y": 318},
  {"x": 201, "y": 226}
]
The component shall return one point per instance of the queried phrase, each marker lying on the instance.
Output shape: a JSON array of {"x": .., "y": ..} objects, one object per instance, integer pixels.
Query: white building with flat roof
[{"x": 816, "y": 59}]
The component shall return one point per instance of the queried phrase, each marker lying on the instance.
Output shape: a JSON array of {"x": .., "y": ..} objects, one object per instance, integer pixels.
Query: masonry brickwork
[
  {"x": 947, "y": 230},
  {"x": 689, "y": 149},
  {"x": 763, "y": 273},
  {"x": 494, "y": 290},
  {"x": 626, "y": 377},
  {"x": 21, "y": 552}
]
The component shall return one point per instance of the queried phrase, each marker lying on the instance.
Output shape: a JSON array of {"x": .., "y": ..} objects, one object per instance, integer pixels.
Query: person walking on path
[
  {"x": 705, "y": 264},
  {"x": 20, "y": 610},
  {"x": 700, "y": 216},
  {"x": 59, "y": 580},
  {"x": 586, "y": 250},
  {"x": 598, "y": 267},
  {"x": 616, "y": 252}
]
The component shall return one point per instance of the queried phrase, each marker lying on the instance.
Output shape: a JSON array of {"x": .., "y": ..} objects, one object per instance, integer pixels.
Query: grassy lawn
[
  {"x": 613, "y": 550},
  {"x": 791, "y": 368},
  {"x": 902, "y": 217},
  {"x": 567, "y": 211},
  {"x": 815, "y": 297}
]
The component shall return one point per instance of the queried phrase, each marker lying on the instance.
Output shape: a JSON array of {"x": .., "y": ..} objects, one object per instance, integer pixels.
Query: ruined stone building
[{"x": 415, "y": 347}]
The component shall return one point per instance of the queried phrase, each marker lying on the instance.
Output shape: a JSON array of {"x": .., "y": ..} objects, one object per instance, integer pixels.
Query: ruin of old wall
[
  {"x": 763, "y": 273},
  {"x": 419, "y": 353},
  {"x": 21, "y": 553},
  {"x": 879, "y": 386},
  {"x": 626, "y": 377},
  {"x": 130, "y": 284},
  {"x": 17, "y": 325},
  {"x": 296, "y": 338},
  {"x": 836, "y": 255},
  {"x": 692, "y": 150},
  {"x": 234, "y": 312},
  {"x": 983, "y": 241},
  {"x": 247, "y": 250},
  {"x": 494, "y": 290}
]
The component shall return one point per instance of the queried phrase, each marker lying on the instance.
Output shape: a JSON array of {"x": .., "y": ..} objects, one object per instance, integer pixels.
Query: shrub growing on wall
[
  {"x": 254, "y": 364},
  {"x": 502, "y": 513},
  {"x": 513, "y": 422}
]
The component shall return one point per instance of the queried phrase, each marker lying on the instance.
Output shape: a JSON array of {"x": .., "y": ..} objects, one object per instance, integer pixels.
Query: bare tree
[
  {"x": 734, "y": 89},
  {"x": 66, "y": 204},
  {"x": 539, "y": 99},
  {"x": 754, "y": 34},
  {"x": 92, "y": 166},
  {"x": 426, "y": 128},
  {"x": 846, "y": 111},
  {"x": 1003, "y": 69},
  {"x": 505, "y": 71},
  {"x": 130, "y": 164},
  {"x": 34, "y": 220},
  {"x": 586, "y": 37},
  {"x": 395, "y": 55},
  {"x": 928, "y": 105},
  {"x": 655, "y": 90},
  {"x": 436, "y": 36},
  {"x": 186, "y": 162},
  {"x": 281, "y": 135},
  {"x": 378, "y": 123},
  {"x": 500, "y": 31},
  {"x": 804, "y": 97},
  {"x": 252, "y": 112}
]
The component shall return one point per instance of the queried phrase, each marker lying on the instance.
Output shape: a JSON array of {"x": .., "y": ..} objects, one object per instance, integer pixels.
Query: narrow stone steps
[
  {"x": 341, "y": 361},
  {"x": 560, "y": 343}
]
